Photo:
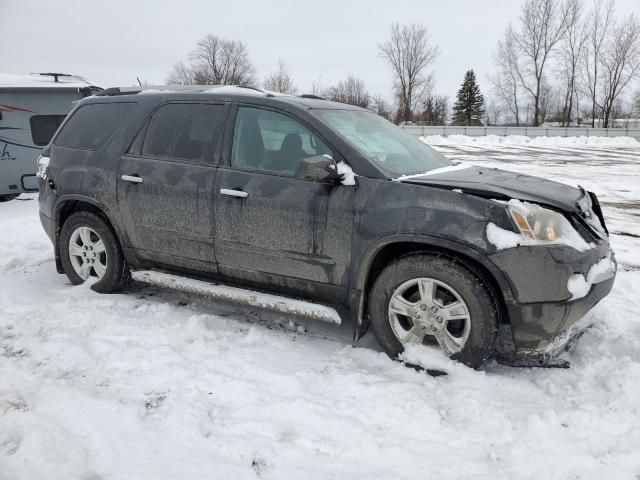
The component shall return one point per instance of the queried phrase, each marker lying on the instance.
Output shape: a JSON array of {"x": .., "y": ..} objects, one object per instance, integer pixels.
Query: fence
[{"x": 525, "y": 131}]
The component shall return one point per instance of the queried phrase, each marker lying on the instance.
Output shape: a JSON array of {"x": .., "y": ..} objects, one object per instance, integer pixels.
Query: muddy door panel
[
  {"x": 167, "y": 208},
  {"x": 278, "y": 225}
]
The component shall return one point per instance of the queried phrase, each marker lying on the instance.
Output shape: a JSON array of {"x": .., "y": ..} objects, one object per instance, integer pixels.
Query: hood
[{"x": 503, "y": 185}]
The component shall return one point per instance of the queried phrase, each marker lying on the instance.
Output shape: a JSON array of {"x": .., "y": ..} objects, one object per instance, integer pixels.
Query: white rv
[{"x": 32, "y": 107}]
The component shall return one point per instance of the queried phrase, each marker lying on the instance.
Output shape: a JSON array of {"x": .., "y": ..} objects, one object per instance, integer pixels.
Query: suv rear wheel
[
  {"x": 90, "y": 250},
  {"x": 434, "y": 300}
]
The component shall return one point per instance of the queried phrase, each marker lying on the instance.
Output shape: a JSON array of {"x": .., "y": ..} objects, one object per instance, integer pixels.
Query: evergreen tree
[{"x": 469, "y": 107}]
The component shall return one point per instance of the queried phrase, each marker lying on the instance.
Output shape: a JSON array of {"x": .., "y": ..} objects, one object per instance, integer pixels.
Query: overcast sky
[{"x": 113, "y": 44}]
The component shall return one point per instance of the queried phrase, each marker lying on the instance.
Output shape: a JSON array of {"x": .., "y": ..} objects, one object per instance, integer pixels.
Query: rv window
[
  {"x": 183, "y": 131},
  {"x": 43, "y": 127},
  {"x": 92, "y": 125}
]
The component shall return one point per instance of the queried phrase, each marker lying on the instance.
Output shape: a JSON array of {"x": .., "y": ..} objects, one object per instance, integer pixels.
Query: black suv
[{"x": 321, "y": 200}]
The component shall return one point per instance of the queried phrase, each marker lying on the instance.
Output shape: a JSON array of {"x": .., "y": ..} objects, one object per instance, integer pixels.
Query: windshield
[{"x": 388, "y": 146}]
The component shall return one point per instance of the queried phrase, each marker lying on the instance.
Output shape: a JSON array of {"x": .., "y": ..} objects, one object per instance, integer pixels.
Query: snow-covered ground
[{"x": 157, "y": 383}]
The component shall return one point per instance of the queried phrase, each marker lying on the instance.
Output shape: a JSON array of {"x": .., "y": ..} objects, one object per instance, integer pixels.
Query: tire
[
  {"x": 6, "y": 198},
  {"x": 463, "y": 316},
  {"x": 108, "y": 265}
]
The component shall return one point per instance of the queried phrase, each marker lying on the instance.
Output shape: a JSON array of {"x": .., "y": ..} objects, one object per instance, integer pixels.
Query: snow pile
[
  {"x": 579, "y": 285},
  {"x": 520, "y": 140},
  {"x": 543, "y": 218}
]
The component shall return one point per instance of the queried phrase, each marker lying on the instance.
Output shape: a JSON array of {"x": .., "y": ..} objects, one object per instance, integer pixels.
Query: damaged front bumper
[{"x": 545, "y": 307}]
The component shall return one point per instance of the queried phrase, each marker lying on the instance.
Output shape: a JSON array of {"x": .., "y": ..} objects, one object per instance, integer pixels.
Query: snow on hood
[
  {"x": 435, "y": 171},
  {"x": 497, "y": 183}
]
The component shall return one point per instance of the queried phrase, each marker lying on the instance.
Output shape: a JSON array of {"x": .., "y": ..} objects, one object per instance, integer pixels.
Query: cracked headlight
[{"x": 539, "y": 224}]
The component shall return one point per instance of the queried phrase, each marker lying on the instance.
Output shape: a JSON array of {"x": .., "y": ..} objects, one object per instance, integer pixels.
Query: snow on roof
[
  {"x": 35, "y": 80},
  {"x": 240, "y": 90}
]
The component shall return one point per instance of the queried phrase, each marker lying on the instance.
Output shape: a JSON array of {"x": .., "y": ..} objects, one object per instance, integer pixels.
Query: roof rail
[
  {"x": 314, "y": 97},
  {"x": 114, "y": 91}
]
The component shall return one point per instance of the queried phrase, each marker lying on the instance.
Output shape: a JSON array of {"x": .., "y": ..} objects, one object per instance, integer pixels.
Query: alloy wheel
[
  {"x": 88, "y": 253},
  {"x": 425, "y": 307}
]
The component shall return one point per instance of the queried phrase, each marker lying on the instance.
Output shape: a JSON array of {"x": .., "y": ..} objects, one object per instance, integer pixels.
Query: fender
[
  {"x": 358, "y": 289},
  {"x": 57, "y": 210}
]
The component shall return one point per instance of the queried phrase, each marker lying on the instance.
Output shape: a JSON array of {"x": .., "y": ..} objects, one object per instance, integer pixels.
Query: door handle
[
  {"x": 234, "y": 193},
  {"x": 132, "y": 178}
]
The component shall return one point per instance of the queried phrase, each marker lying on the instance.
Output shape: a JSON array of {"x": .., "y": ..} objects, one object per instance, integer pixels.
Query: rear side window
[
  {"x": 92, "y": 125},
  {"x": 43, "y": 127},
  {"x": 183, "y": 131}
]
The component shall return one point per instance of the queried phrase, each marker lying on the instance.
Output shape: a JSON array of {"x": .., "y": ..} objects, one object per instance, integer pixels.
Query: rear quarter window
[{"x": 92, "y": 125}]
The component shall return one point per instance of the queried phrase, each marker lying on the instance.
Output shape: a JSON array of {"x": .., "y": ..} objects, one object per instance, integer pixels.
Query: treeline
[
  {"x": 559, "y": 62},
  {"x": 564, "y": 62}
]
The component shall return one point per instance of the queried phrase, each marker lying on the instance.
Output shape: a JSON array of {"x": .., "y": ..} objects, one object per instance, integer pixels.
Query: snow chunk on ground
[
  {"x": 579, "y": 285},
  {"x": 566, "y": 234},
  {"x": 436, "y": 171},
  {"x": 347, "y": 174}
]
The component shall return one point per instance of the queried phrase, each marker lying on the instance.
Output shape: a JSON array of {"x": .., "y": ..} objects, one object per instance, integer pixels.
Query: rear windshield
[
  {"x": 43, "y": 127},
  {"x": 92, "y": 125}
]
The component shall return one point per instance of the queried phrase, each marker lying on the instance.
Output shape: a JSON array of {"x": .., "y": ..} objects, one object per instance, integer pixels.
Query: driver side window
[{"x": 269, "y": 141}]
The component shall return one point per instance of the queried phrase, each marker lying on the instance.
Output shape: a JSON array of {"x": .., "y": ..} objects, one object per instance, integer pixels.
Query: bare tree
[
  {"x": 410, "y": 53},
  {"x": 280, "y": 80},
  {"x": 620, "y": 63},
  {"x": 542, "y": 26},
  {"x": 435, "y": 109},
  {"x": 598, "y": 25},
  {"x": 216, "y": 61},
  {"x": 505, "y": 81},
  {"x": 352, "y": 91},
  {"x": 316, "y": 87},
  {"x": 181, "y": 74},
  {"x": 381, "y": 107},
  {"x": 571, "y": 48},
  {"x": 493, "y": 113}
]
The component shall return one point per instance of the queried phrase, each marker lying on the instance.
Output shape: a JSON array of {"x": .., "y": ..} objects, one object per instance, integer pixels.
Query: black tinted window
[
  {"x": 92, "y": 125},
  {"x": 183, "y": 130},
  {"x": 43, "y": 127},
  {"x": 266, "y": 140}
]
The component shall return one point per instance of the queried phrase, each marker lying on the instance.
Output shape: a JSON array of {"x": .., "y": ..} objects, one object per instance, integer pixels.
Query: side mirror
[{"x": 319, "y": 168}]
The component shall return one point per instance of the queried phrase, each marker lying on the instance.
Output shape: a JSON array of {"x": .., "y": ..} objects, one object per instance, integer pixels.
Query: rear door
[
  {"x": 165, "y": 185},
  {"x": 270, "y": 223}
]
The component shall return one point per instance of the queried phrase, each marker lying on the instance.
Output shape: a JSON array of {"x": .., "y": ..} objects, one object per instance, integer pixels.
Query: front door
[
  {"x": 268, "y": 222},
  {"x": 166, "y": 185}
]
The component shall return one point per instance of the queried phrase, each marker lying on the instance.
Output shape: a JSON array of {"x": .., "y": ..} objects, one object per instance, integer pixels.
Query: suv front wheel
[
  {"x": 89, "y": 250},
  {"x": 434, "y": 300}
]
